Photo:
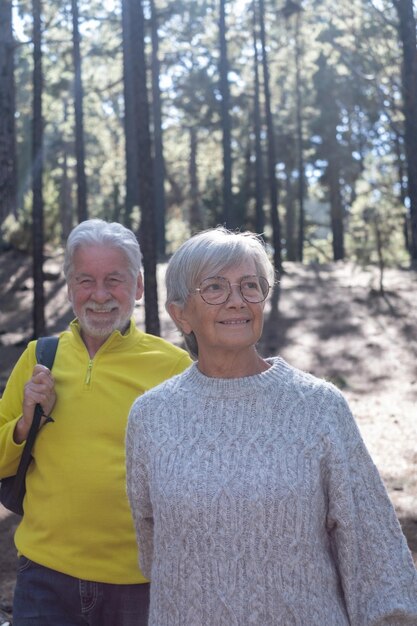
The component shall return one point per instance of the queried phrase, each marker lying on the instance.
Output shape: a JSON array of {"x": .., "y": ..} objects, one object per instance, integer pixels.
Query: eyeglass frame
[{"x": 198, "y": 289}]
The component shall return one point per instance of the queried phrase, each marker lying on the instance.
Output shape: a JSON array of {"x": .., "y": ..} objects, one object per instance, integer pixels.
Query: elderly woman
[{"x": 254, "y": 498}]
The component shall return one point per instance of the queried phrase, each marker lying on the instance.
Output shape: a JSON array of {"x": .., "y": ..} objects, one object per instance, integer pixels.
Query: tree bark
[
  {"x": 330, "y": 151},
  {"x": 272, "y": 180},
  {"x": 196, "y": 222},
  {"x": 159, "y": 161},
  {"x": 8, "y": 169},
  {"x": 259, "y": 201},
  {"x": 130, "y": 89},
  {"x": 228, "y": 208},
  {"x": 37, "y": 171},
  {"x": 336, "y": 208},
  {"x": 301, "y": 179},
  {"x": 403, "y": 188},
  {"x": 147, "y": 234},
  {"x": 79, "y": 121},
  {"x": 407, "y": 32},
  {"x": 65, "y": 202},
  {"x": 291, "y": 248}
]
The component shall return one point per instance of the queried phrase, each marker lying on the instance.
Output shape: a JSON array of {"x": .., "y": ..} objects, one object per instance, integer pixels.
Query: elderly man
[{"x": 76, "y": 541}]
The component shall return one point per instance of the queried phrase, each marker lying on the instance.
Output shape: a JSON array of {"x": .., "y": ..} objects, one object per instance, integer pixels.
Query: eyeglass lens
[{"x": 217, "y": 290}]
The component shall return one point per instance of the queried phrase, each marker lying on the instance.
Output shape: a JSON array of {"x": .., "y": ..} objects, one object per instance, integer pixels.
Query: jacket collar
[{"x": 116, "y": 339}]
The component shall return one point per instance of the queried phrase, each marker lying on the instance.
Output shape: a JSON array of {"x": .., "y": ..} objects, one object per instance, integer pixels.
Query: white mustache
[{"x": 101, "y": 308}]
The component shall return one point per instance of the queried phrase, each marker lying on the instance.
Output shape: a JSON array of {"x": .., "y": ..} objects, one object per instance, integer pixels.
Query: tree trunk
[
  {"x": 79, "y": 123},
  {"x": 65, "y": 200},
  {"x": 330, "y": 151},
  {"x": 336, "y": 208},
  {"x": 291, "y": 250},
  {"x": 301, "y": 212},
  {"x": 259, "y": 201},
  {"x": 380, "y": 252},
  {"x": 245, "y": 185},
  {"x": 196, "y": 223},
  {"x": 117, "y": 205},
  {"x": 65, "y": 203},
  {"x": 37, "y": 170},
  {"x": 403, "y": 189},
  {"x": 8, "y": 176},
  {"x": 228, "y": 208},
  {"x": 407, "y": 31},
  {"x": 273, "y": 187},
  {"x": 130, "y": 89},
  {"x": 146, "y": 183},
  {"x": 159, "y": 161}
]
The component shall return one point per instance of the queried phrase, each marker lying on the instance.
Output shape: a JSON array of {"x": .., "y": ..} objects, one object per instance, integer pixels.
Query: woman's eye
[
  {"x": 251, "y": 285},
  {"x": 214, "y": 287}
]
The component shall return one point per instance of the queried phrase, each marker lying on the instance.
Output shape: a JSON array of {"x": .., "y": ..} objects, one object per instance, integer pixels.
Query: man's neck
[{"x": 93, "y": 343}]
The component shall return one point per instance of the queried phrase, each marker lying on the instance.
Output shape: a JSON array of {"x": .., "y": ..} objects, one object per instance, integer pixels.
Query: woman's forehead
[{"x": 238, "y": 269}]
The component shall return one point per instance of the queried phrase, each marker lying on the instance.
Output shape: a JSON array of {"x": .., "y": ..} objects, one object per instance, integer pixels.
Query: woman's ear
[{"x": 180, "y": 318}]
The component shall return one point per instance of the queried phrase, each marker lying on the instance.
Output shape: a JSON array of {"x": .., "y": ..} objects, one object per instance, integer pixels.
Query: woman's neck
[{"x": 233, "y": 365}]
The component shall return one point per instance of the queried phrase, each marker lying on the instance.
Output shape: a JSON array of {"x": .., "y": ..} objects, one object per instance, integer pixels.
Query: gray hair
[
  {"x": 207, "y": 254},
  {"x": 98, "y": 232}
]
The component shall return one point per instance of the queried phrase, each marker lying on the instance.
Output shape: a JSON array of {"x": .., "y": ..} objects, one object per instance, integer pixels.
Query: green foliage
[
  {"x": 177, "y": 231},
  {"x": 350, "y": 83},
  {"x": 17, "y": 232},
  {"x": 376, "y": 217}
]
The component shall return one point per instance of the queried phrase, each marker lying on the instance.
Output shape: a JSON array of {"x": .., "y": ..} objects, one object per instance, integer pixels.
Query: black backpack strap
[
  {"x": 45, "y": 350},
  {"x": 45, "y": 354}
]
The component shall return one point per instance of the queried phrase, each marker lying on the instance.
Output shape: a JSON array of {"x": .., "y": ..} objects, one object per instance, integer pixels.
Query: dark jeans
[{"x": 44, "y": 597}]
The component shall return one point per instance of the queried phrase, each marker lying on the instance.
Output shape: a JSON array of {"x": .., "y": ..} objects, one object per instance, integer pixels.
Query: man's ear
[
  {"x": 69, "y": 293},
  {"x": 139, "y": 287},
  {"x": 179, "y": 317}
]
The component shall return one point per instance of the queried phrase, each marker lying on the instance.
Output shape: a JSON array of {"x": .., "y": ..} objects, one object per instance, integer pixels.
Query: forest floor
[{"x": 328, "y": 319}]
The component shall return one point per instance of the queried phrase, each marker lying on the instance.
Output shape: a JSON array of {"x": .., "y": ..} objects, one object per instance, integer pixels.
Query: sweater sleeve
[
  {"x": 138, "y": 487},
  {"x": 377, "y": 573},
  {"x": 11, "y": 410}
]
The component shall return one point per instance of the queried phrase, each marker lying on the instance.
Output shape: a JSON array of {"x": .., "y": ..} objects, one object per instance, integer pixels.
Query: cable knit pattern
[{"x": 255, "y": 502}]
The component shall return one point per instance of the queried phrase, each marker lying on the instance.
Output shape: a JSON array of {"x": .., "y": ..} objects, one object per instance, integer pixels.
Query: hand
[{"x": 40, "y": 389}]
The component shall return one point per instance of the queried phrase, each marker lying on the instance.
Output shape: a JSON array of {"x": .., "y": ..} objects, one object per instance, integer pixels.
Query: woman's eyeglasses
[{"x": 217, "y": 289}]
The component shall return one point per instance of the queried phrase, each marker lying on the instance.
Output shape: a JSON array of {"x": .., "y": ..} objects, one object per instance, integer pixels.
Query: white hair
[
  {"x": 206, "y": 254},
  {"x": 98, "y": 232}
]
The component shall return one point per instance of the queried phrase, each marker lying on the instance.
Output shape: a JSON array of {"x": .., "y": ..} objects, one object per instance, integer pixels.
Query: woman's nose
[{"x": 235, "y": 297}]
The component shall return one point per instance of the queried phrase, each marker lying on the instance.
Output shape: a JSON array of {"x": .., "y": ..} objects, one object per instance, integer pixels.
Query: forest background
[
  {"x": 297, "y": 120},
  {"x": 292, "y": 119}
]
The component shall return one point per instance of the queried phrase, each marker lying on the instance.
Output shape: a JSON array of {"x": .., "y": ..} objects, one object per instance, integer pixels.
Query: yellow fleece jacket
[{"x": 77, "y": 518}]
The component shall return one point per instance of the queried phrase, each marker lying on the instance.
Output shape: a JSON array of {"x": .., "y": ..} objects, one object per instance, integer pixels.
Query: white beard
[{"x": 94, "y": 327}]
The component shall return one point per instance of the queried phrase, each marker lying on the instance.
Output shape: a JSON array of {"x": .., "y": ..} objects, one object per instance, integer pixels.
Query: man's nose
[{"x": 100, "y": 293}]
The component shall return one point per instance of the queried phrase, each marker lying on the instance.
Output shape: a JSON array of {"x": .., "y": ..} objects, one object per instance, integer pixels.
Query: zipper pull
[{"x": 90, "y": 367}]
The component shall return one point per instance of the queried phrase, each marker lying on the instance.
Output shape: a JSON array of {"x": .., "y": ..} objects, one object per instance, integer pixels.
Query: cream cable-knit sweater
[{"x": 256, "y": 502}]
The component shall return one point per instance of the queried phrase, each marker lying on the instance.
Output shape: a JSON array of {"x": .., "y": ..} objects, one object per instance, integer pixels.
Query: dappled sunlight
[
  {"x": 330, "y": 322},
  {"x": 325, "y": 319}
]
